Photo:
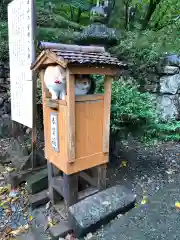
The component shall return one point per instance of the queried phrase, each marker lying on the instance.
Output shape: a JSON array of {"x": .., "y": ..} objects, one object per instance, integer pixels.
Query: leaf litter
[{"x": 14, "y": 211}]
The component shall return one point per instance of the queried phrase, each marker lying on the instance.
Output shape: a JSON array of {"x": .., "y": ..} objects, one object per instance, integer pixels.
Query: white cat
[
  {"x": 55, "y": 81},
  {"x": 55, "y": 78}
]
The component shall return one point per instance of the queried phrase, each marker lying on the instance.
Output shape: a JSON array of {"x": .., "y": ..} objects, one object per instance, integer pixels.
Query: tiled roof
[{"x": 87, "y": 57}]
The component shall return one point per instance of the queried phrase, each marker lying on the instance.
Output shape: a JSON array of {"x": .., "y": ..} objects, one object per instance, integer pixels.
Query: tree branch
[
  {"x": 167, "y": 24},
  {"x": 152, "y": 7}
]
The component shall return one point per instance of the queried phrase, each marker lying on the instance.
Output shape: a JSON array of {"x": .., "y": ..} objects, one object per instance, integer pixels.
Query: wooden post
[
  {"x": 53, "y": 195},
  {"x": 70, "y": 189},
  {"x": 34, "y": 127},
  {"x": 107, "y": 113},
  {"x": 34, "y": 88},
  {"x": 70, "y": 79},
  {"x": 99, "y": 176}
]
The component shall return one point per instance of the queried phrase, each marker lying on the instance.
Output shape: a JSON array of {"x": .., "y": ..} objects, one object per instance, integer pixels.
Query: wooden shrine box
[{"x": 82, "y": 123}]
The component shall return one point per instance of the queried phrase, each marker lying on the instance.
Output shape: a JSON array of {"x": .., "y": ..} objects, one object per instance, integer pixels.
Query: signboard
[
  {"x": 54, "y": 131},
  {"x": 21, "y": 30}
]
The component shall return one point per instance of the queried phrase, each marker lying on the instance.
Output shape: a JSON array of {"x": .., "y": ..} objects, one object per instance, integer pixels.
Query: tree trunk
[
  {"x": 126, "y": 16},
  {"x": 152, "y": 7},
  {"x": 79, "y": 15},
  {"x": 72, "y": 13}
]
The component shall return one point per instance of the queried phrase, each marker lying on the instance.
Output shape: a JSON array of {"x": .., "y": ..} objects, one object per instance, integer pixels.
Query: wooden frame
[{"x": 83, "y": 126}]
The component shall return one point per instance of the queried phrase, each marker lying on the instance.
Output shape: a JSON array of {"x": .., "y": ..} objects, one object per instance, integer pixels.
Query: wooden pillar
[
  {"x": 100, "y": 173},
  {"x": 53, "y": 195},
  {"x": 70, "y": 189},
  {"x": 107, "y": 112},
  {"x": 70, "y": 80}
]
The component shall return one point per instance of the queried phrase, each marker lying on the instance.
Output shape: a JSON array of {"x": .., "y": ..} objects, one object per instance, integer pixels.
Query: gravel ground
[
  {"x": 144, "y": 170},
  {"x": 153, "y": 174}
]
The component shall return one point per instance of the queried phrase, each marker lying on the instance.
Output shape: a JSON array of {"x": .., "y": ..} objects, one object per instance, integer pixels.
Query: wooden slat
[
  {"x": 57, "y": 59},
  {"x": 70, "y": 80},
  {"x": 65, "y": 52},
  {"x": 46, "y": 62},
  {"x": 70, "y": 47},
  {"x": 113, "y": 71},
  {"x": 52, "y": 104},
  {"x": 38, "y": 61},
  {"x": 88, "y": 179},
  {"x": 59, "y": 102},
  {"x": 93, "y": 97},
  {"x": 101, "y": 176},
  {"x": 107, "y": 107},
  {"x": 45, "y": 92}
]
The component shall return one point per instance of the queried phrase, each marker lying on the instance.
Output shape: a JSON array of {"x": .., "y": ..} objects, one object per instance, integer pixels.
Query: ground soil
[{"x": 145, "y": 170}]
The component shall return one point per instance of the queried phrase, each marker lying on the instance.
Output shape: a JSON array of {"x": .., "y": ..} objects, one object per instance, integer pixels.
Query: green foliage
[
  {"x": 142, "y": 50},
  {"x": 3, "y": 41},
  {"x": 153, "y": 31},
  {"x": 130, "y": 108},
  {"x": 51, "y": 20},
  {"x": 3, "y": 9},
  {"x": 56, "y": 35},
  {"x": 135, "y": 112},
  {"x": 39, "y": 92},
  {"x": 169, "y": 131}
]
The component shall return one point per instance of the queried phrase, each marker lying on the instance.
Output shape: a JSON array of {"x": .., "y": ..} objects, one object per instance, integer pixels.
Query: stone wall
[{"x": 165, "y": 84}]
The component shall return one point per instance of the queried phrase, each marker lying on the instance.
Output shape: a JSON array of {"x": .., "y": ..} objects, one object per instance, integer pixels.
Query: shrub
[
  {"x": 4, "y": 41},
  {"x": 131, "y": 110}
]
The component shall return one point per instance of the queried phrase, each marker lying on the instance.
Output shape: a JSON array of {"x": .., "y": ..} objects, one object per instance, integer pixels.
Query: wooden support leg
[
  {"x": 53, "y": 195},
  {"x": 99, "y": 175},
  {"x": 70, "y": 189}
]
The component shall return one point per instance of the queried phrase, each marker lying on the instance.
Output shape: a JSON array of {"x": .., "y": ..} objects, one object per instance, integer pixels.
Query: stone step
[
  {"x": 158, "y": 219},
  {"x": 32, "y": 235},
  {"x": 89, "y": 214},
  {"x": 37, "y": 182}
]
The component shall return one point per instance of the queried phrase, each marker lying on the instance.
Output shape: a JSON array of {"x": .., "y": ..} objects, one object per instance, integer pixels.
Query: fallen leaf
[
  {"x": 136, "y": 205},
  {"x": 13, "y": 193},
  {"x": 3, "y": 190},
  {"x": 106, "y": 203},
  {"x": 89, "y": 236},
  {"x": 48, "y": 205},
  {"x": 8, "y": 211},
  {"x": 50, "y": 221},
  {"x": 70, "y": 237},
  {"x": 21, "y": 229},
  {"x": 144, "y": 200},
  {"x": 170, "y": 171},
  {"x": 3, "y": 203},
  {"x": 177, "y": 205},
  {"x": 9, "y": 169},
  {"x": 14, "y": 199},
  {"x": 124, "y": 163},
  {"x": 30, "y": 218},
  {"x": 8, "y": 230}
]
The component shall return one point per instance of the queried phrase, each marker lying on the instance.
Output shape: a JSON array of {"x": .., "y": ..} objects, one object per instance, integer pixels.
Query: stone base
[
  {"x": 60, "y": 230},
  {"x": 89, "y": 214},
  {"x": 37, "y": 182},
  {"x": 158, "y": 219},
  {"x": 38, "y": 199}
]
